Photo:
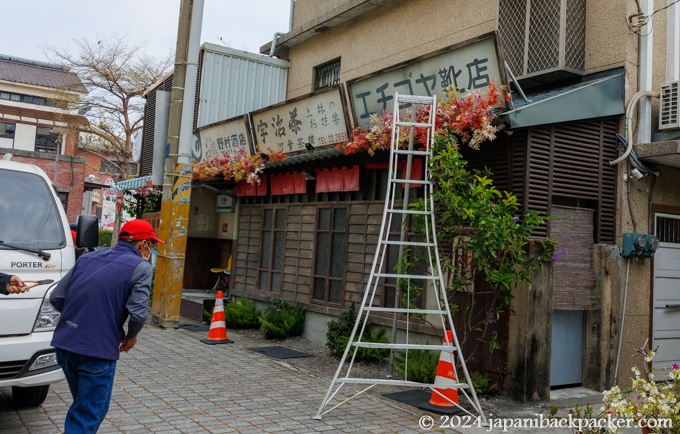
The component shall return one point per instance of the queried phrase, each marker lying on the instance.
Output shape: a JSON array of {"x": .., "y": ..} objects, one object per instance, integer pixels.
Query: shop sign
[
  {"x": 317, "y": 119},
  {"x": 470, "y": 67},
  {"x": 227, "y": 136},
  {"x": 224, "y": 203}
]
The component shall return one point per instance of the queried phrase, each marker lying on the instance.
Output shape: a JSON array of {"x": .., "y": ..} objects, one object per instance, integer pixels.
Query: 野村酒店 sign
[
  {"x": 318, "y": 119},
  {"x": 225, "y": 136},
  {"x": 469, "y": 66}
]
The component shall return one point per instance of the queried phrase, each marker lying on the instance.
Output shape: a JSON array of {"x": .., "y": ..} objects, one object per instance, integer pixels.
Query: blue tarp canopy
[{"x": 129, "y": 184}]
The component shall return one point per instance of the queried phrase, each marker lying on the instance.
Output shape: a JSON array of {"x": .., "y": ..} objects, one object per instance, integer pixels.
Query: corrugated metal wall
[{"x": 235, "y": 82}]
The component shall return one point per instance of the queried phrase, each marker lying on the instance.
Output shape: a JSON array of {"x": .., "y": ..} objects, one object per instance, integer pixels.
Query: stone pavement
[{"x": 172, "y": 383}]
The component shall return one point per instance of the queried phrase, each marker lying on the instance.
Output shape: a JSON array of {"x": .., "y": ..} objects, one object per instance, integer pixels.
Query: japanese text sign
[
  {"x": 211, "y": 141},
  {"x": 318, "y": 119},
  {"x": 467, "y": 68}
]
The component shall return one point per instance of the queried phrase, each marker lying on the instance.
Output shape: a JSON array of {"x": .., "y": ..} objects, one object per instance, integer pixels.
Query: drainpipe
[
  {"x": 274, "y": 39},
  {"x": 277, "y": 34},
  {"x": 644, "y": 128},
  {"x": 672, "y": 40},
  {"x": 629, "y": 124}
]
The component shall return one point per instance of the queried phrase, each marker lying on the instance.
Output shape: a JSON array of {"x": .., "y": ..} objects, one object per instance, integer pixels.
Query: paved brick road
[{"x": 172, "y": 383}]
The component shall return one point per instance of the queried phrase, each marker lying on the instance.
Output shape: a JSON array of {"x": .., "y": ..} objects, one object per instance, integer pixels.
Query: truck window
[{"x": 30, "y": 217}]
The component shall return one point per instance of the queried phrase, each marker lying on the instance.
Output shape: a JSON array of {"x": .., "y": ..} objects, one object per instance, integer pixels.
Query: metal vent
[
  {"x": 668, "y": 113},
  {"x": 543, "y": 40}
]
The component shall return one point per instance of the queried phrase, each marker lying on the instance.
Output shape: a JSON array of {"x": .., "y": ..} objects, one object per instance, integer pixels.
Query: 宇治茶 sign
[{"x": 317, "y": 119}]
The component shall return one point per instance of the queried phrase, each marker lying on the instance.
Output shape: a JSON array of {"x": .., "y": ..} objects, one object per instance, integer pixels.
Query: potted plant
[{"x": 653, "y": 403}]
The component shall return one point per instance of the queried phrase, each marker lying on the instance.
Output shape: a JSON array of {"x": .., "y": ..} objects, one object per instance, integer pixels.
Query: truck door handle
[{"x": 673, "y": 305}]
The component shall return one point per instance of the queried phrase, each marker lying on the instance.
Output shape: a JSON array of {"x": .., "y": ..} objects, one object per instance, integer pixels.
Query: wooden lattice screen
[{"x": 574, "y": 277}]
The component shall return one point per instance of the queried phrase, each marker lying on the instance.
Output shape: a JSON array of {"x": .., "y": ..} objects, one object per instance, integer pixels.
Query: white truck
[{"x": 36, "y": 245}]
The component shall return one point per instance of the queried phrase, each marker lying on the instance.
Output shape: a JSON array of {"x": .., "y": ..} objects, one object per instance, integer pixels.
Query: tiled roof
[{"x": 39, "y": 74}]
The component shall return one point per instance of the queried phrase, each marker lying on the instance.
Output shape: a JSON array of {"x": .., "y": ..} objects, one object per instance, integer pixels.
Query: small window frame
[{"x": 327, "y": 74}]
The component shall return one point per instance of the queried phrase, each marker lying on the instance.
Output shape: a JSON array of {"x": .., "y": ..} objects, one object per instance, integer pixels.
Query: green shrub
[
  {"x": 422, "y": 365},
  {"x": 105, "y": 237},
  {"x": 242, "y": 314},
  {"x": 280, "y": 320},
  {"x": 372, "y": 354},
  {"x": 338, "y": 329},
  {"x": 482, "y": 384}
]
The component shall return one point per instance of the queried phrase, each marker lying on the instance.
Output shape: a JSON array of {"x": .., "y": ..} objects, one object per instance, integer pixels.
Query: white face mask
[{"x": 148, "y": 254}]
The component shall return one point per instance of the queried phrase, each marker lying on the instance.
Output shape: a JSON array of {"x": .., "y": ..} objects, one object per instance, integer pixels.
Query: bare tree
[{"x": 116, "y": 75}]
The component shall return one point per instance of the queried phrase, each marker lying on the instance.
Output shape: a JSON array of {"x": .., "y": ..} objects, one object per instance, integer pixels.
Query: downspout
[
  {"x": 644, "y": 82},
  {"x": 672, "y": 40},
  {"x": 190, "y": 80},
  {"x": 628, "y": 123},
  {"x": 274, "y": 39},
  {"x": 272, "y": 50}
]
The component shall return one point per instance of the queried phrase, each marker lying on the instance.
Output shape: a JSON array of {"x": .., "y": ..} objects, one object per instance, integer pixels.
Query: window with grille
[
  {"x": 46, "y": 140},
  {"x": 668, "y": 228},
  {"x": 331, "y": 248},
  {"x": 544, "y": 39},
  {"x": 327, "y": 74},
  {"x": 272, "y": 250}
]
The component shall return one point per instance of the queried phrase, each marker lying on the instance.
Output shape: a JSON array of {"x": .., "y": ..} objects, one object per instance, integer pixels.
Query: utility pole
[{"x": 175, "y": 206}]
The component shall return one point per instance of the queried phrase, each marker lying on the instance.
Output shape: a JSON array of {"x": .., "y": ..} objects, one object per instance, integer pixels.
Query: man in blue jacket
[{"x": 95, "y": 298}]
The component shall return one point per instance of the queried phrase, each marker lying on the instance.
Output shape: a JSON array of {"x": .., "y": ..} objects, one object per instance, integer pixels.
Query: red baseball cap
[{"x": 138, "y": 230}]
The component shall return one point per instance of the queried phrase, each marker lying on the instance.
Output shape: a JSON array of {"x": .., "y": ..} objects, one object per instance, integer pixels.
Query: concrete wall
[{"x": 395, "y": 32}]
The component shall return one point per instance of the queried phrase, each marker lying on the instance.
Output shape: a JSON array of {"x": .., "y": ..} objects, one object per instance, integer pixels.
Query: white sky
[{"x": 30, "y": 25}]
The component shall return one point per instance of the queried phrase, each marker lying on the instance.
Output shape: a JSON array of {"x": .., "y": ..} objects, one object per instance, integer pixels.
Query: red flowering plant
[
  {"x": 468, "y": 119},
  {"x": 237, "y": 166}
]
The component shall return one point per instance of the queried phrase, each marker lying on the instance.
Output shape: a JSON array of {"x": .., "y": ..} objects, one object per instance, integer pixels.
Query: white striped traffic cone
[
  {"x": 218, "y": 328},
  {"x": 445, "y": 379}
]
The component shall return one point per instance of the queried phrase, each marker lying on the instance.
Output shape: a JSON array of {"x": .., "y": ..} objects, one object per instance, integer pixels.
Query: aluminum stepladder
[{"x": 396, "y": 217}]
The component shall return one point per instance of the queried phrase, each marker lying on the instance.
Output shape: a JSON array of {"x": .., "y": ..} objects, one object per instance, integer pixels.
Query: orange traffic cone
[
  {"x": 218, "y": 328},
  {"x": 445, "y": 379}
]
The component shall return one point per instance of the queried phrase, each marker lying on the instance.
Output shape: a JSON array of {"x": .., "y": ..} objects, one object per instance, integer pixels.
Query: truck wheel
[{"x": 29, "y": 396}]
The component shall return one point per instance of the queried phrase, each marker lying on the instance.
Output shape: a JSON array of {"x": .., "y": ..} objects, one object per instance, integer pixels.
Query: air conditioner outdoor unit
[{"x": 669, "y": 118}]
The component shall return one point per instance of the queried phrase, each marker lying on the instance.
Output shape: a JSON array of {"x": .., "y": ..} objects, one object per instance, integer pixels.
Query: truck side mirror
[{"x": 87, "y": 234}]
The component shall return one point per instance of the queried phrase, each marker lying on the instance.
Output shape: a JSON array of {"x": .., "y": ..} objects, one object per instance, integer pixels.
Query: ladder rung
[
  {"x": 414, "y": 99},
  {"x": 410, "y": 181},
  {"x": 440, "y": 347},
  {"x": 398, "y": 383},
  {"x": 408, "y": 211},
  {"x": 412, "y": 124},
  {"x": 405, "y": 310},
  {"x": 407, "y": 276},
  {"x": 409, "y": 243},
  {"x": 407, "y": 152}
]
